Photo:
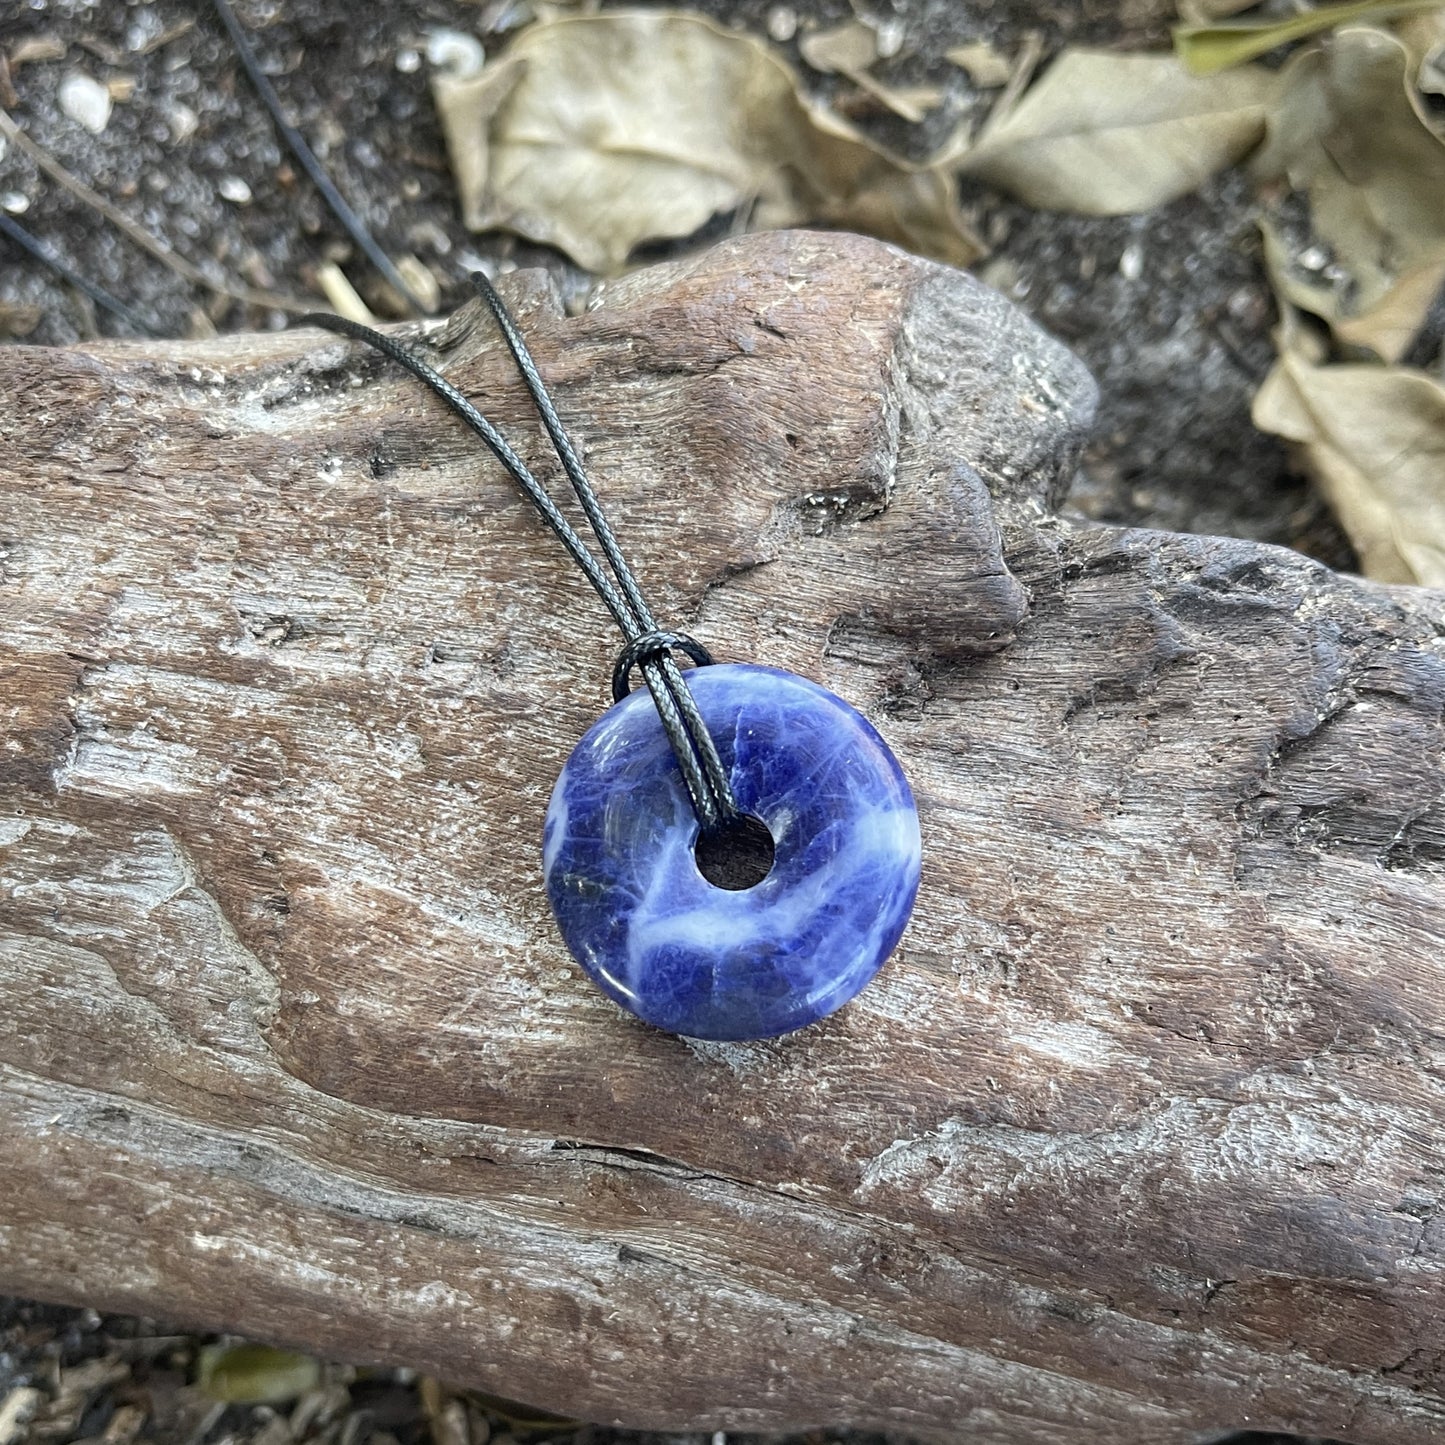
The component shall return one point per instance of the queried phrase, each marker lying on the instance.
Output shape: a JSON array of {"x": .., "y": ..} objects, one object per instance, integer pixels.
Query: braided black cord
[
  {"x": 652, "y": 660},
  {"x": 708, "y": 785},
  {"x": 354, "y": 226}
]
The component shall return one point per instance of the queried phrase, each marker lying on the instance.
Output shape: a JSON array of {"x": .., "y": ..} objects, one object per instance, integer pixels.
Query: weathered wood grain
[{"x": 1142, "y": 1132}]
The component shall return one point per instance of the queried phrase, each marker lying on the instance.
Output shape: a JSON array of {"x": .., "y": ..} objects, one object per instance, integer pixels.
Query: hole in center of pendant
[{"x": 738, "y": 856}]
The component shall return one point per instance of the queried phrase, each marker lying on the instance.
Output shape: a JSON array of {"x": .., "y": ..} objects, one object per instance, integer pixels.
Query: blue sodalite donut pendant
[{"x": 701, "y": 960}]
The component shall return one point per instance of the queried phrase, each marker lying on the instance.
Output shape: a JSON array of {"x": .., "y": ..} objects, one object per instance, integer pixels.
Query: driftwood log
[{"x": 1140, "y": 1134}]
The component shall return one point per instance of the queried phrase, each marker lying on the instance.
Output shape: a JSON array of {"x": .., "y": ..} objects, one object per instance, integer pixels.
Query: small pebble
[
  {"x": 890, "y": 34},
  {"x": 1002, "y": 273},
  {"x": 15, "y": 203},
  {"x": 330, "y": 132},
  {"x": 182, "y": 120},
  {"x": 149, "y": 30},
  {"x": 1316, "y": 258},
  {"x": 17, "y": 1409},
  {"x": 1249, "y": 305},
  {"x": 408, "y": 61},
  {"x": 235, "y": 190},
  {"x": 1131, "y": 262},
  {"x": 782, "y": 23},
  {"x": 86, "y": 101}
]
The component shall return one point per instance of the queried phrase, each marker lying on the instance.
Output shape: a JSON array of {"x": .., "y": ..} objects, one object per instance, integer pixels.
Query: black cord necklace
[{"x": 731, "y": 854}]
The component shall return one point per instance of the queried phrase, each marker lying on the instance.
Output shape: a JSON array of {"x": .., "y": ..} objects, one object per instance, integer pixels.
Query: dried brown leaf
[
  {"x": 249, "y": 1374},
  {"x": 1373, "y": 437},
  {"x": 1107, "y": 134},
  {"x": 467, "y": 105},
  {"x": 1423, "y": 37},
  {"x": 1208, "y": 48},
  {"x": 1345, "y": 132},
  {"x": 607, "y": 131},
  {"x": 1389, "y": 326}
]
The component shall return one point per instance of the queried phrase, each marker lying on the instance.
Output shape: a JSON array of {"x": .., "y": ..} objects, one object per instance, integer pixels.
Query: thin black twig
[
  {"x": 17, "y": 233},
  {"x": 355, "y": 227}
]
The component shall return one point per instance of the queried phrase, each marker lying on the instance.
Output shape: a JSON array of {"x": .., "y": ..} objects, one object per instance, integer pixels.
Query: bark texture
[{"x": 1140, "y": 1133}]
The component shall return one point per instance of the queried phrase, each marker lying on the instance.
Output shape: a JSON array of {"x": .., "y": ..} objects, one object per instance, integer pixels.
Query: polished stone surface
[{"x": 700, "y": 960}]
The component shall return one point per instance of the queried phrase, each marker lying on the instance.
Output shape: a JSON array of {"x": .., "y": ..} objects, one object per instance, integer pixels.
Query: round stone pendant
[{"x": 838, "y": 863}]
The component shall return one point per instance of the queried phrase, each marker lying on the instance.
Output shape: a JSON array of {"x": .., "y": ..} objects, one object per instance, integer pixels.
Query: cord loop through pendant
[{"x": 646, "y": 648}]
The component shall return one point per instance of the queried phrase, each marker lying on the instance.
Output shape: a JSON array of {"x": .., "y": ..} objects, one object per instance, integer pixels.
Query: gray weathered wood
[{"x": 1139, "y": 1134}]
